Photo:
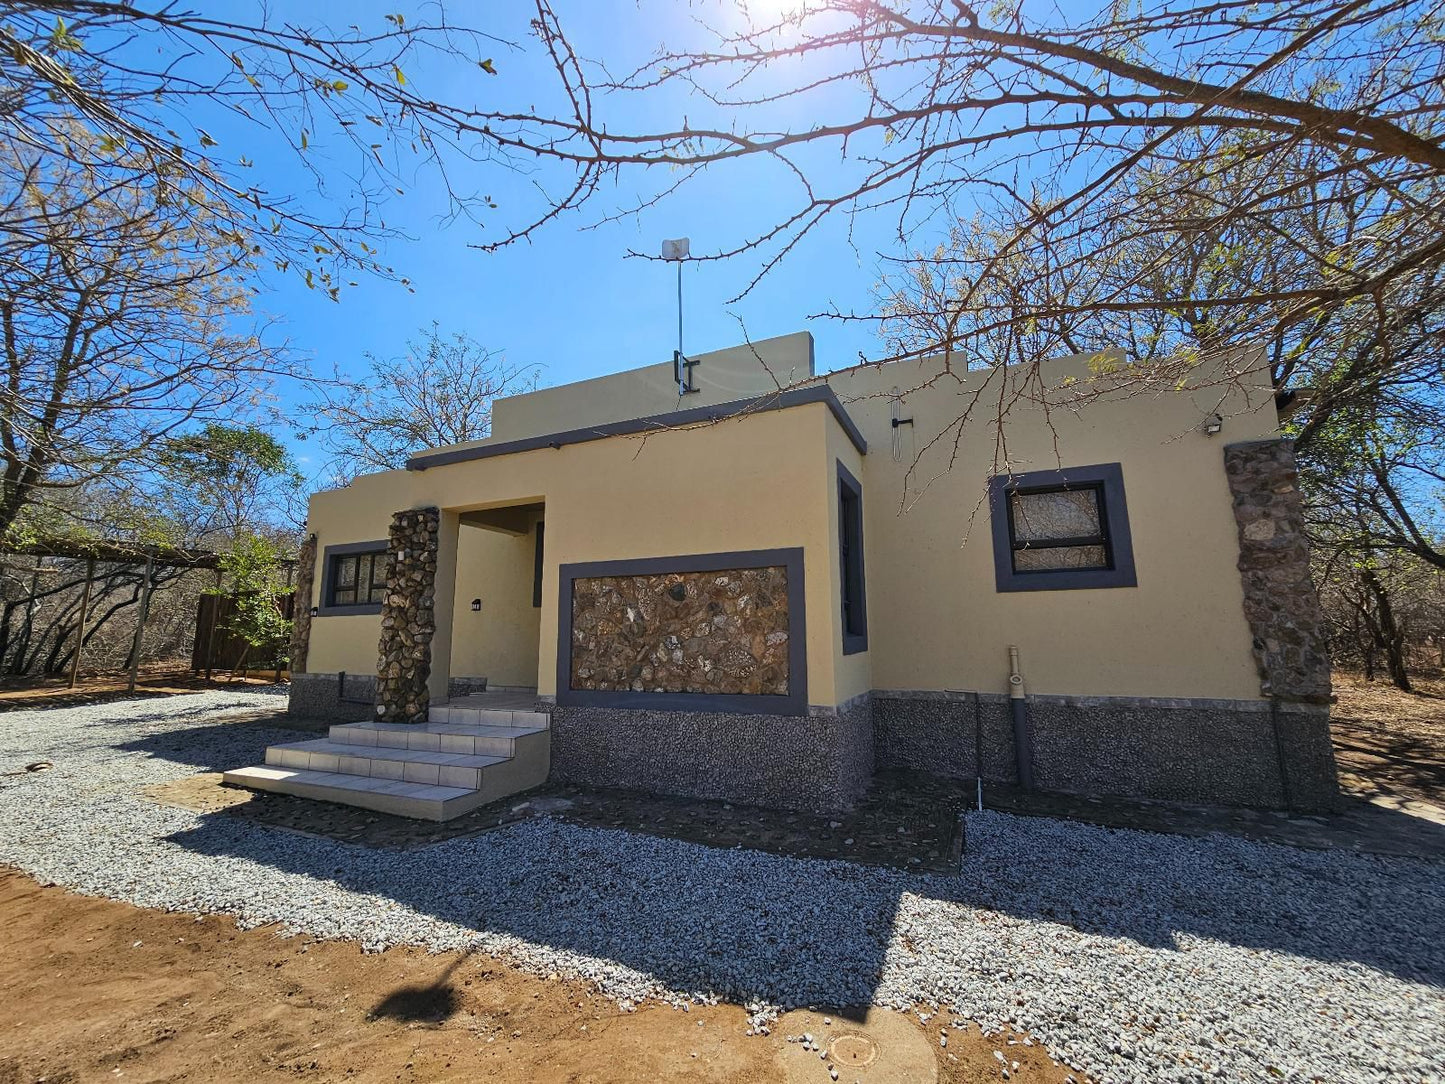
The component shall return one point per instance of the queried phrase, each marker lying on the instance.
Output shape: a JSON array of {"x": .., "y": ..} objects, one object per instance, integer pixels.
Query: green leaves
[
  {"x": 62, "y": 40},
  {"x": 487, "y": 66}
]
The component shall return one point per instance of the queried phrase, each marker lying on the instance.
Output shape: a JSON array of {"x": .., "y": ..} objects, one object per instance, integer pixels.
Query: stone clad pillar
[
  {"x": 1285, "y": 618},
  {"x": 408, "y": 617},
  {"x": 301, "y": 614},
  {"x": 1280, "y": 600}
]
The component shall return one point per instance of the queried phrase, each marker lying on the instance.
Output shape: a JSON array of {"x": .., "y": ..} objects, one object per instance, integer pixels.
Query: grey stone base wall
[
  {"x": 465, "y": 686},
  {"x": 1228, "y": 752},
  {"x": 819, "y": 762},
  {"x": 319, "y": 696}
]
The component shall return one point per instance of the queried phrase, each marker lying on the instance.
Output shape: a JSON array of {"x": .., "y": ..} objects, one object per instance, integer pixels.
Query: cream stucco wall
[
  {"x": 501, "y": 641},
  {"x": 721, "y": 376},
  {"x": 769, "y": 480},
  {"x": 744, "y": 484},
  {"x": 853, "y": 674},
  {"x": 935, "y": 618}
]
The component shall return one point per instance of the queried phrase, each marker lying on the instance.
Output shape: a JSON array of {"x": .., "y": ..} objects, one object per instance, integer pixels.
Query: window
[
  {"x": 1058, "y": 527},
  {"x": 1061, "y": 530},
  {"x": 850, "y": 563},
  {"x": 354, "y": 578}
]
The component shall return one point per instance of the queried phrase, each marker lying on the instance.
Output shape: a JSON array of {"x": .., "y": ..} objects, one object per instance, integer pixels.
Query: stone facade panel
[{"x": 721, "y": 632}]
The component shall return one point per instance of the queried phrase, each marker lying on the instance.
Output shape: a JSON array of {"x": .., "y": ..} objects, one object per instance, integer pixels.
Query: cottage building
[{"x": 736, "y": 592}]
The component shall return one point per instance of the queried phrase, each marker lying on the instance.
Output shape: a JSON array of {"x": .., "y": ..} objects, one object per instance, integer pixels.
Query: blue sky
[{"x": 570, "y": 301}]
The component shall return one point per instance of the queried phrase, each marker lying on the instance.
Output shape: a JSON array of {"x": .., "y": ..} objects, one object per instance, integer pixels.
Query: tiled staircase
[{"x": 463, "y": 757}]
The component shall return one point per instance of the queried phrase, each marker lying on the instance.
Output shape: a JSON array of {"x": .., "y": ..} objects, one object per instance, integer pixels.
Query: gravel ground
[{"x": 1133, "y": 956}]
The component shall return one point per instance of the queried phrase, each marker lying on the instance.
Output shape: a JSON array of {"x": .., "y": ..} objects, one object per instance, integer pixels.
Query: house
[{"x": 730, "y": 591}]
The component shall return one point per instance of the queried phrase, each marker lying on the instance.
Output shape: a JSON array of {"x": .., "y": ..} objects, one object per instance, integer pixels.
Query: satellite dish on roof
[{"x": 679, "y": 249}]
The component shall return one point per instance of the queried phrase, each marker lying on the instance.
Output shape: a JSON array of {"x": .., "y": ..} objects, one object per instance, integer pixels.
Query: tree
[
  {"x": 124, "y": 321},
  {"x": 253, "y": 566},
  {"x": 1127, "y": 283},
  {"x": 226, "y": 482},
  {"x": 131, "y": 90},
  {"x": 1095, "y": 153},
  {"x": 439, "y": 392}
]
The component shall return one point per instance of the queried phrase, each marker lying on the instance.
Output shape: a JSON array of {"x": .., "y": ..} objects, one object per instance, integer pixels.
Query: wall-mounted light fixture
[
  {"x": 476, "y": 605},
  {"x": 1212, "y": 425},
  {"x": 315, "y": 611}
]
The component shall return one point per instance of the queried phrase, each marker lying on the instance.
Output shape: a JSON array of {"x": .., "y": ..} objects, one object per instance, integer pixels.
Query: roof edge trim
[{"x": 782, "y": 400}]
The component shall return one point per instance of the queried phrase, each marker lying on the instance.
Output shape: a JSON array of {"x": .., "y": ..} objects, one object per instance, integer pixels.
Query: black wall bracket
[{"x": 682, "y": 367}]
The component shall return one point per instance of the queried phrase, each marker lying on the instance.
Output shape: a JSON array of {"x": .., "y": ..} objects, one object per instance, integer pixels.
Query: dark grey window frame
[
  {"x": 852, "y": 583},
  {"x": 794, "y": 703},
  {"x": 328, "y": 573},
  {"x": 1108, "y": 478},
  {"x": 537, "y": 559}
]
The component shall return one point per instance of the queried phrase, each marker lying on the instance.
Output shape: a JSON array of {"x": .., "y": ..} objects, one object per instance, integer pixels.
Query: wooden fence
[{"x": 227, "y": 651}]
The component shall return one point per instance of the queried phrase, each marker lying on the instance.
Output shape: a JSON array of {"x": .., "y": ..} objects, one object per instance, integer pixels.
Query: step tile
[
  {"x": 319, "y": 753},
  {"x": 389, "y": 796},
  {"x": 487, "y": 740}
]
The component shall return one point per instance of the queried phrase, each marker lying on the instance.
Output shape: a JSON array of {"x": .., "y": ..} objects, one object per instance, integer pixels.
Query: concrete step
[
  {"x": 409, "y": 765},
  {"x": 468, "y": 716},
  {"x": 434, "y": 771},
  {"x": 419, "y": 800},
  {"x": 483, "y": 740}
]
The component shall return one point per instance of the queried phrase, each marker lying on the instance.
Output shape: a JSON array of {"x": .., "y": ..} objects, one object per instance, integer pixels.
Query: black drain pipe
[{"x": 1019, "y": 710}]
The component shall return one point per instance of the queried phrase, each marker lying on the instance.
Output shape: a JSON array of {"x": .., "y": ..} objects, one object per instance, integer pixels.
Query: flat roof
[{"x": 740, "y": 408}]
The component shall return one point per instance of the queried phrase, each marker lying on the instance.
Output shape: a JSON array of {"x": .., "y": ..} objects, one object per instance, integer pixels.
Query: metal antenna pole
[
  {"x": 682, "y": 381},
  {"x": 677, "y": 251}
]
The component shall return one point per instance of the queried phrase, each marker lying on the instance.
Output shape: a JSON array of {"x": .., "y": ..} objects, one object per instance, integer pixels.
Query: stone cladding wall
[
  {"x": 408, "y": 618},
  {"x": 682, "y": 632},
  {"x": 1280, "y": 600},
  {"x": 301, "y": 616}
]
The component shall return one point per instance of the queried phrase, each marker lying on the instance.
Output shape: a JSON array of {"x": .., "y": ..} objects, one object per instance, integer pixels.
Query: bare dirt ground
[
  {"x": 1390, "y": 744},
  {"x": 97, "y": 990},
  {"x": 160, "y": 679}
]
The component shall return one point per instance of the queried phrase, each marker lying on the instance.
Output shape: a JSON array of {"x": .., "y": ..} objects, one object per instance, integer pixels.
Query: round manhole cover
[{"x": 854, "y": 1051}]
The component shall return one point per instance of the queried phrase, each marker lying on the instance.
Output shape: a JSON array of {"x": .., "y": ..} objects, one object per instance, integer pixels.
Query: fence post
[
  {"x": 80, "y": 631},
  {"x": 211, "y": 632},
  {"x": 140, "y": 623}
]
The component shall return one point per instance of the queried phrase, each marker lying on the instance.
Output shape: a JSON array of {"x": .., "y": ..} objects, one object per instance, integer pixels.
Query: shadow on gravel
[
  {"x": 217, "y": 746},
  {"x": 700, "y": 918},
  {"x": 665, "y": 909}
]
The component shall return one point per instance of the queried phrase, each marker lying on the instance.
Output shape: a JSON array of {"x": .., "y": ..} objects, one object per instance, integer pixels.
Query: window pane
[
  {"x": 343, "y": 596},
  {"x": 1060, "y": 557},
  {"x": 378, "y": 577},
  {"x": 345, "y": 572},
  {"x": 1072, "y": 513}
]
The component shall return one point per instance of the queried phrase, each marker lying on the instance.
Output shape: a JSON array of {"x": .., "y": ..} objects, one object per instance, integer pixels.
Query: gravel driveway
[{"x": 1135, "y": 957}]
